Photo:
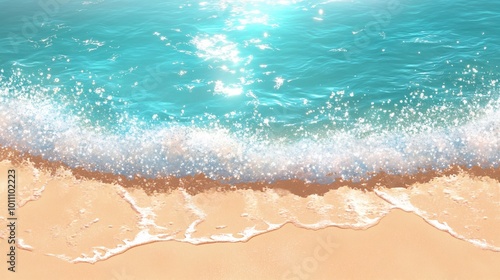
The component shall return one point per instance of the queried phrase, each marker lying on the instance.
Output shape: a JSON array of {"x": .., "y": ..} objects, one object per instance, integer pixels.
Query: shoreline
[
  {"x": 200, "y": 183},
  {"x": 95, "y": 225}
]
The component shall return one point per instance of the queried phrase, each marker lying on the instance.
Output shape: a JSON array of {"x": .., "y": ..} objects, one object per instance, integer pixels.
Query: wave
[{"x": 41, "y": 127}]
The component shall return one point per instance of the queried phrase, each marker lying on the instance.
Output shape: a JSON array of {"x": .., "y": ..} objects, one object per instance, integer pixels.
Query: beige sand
[
  {"x": 402, "y": 246},
  {"x": 65, "y": 215}
]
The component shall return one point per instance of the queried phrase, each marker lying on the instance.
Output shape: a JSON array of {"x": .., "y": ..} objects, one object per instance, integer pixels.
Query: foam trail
[{"x": 403, "y": 202}]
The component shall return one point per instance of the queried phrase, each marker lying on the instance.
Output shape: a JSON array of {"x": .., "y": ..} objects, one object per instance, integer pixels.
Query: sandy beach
[
  {"x": 249, "y": 139},
  {"x": 402, "y": 246},
  {"x": 71, "y": 227}
]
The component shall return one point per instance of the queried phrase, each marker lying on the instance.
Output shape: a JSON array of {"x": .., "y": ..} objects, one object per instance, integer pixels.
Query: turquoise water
[{"x": 252, "y": 90}]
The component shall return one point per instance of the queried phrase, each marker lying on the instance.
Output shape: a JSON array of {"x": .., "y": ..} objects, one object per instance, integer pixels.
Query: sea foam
[{"x": 43, "y": 128}]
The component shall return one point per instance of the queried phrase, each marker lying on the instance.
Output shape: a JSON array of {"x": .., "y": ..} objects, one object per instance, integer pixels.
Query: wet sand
[
  {"x": 402, "y": 246},
  {"x": 77, "y": 218}
]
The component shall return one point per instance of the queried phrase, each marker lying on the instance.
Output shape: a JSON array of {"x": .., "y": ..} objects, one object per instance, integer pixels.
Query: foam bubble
[{"x": 42, "y": 128}]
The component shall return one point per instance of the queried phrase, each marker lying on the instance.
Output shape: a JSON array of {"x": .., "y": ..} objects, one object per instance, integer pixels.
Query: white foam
[
  {"x": 147, "y": 214},
  {"x": 402, "y": 201},
  {"x": 22, "y": 245},
  {"x": 42, "y": 129},
  {"x": 147, "y": 220},
  {"x": 145, "y": 237},
  {"x": 191, "y": 206}
]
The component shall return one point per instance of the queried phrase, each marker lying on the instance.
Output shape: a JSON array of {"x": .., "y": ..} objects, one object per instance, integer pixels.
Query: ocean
[{"x": 305, "y": 96}]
